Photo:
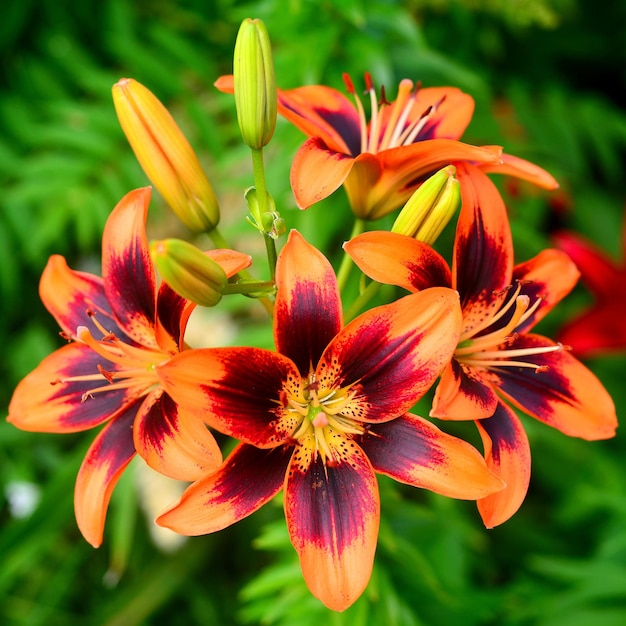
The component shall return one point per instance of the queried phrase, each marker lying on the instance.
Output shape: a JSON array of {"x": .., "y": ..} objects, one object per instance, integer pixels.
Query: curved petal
[
  {"x": 68, "y": 295},
  {"x": 520, "y": 168},
  {"x": 382, "y": 182},
  {"x": 333, "y": 516},
  {"x": 392, "y": 354},
  {"x": 550, "y": 276},
  {"x": 127, "y": 269},
  {"x": 307, "y": 313},
  {"x": 483, "y": 248},
  {"x": 507, "y": 453},
  {"x": 106, "y": 459},
  {"x": 317, "y": 171},
  {"x": 558, "y": 390},
  {"x": 173, "y": 441},
  {"x": 600, "y": 330},
  {"x": 395, "y": 259},
  {"x": 248, "y": 479},
  {"x": 48, "y": 400},
  {"x": 412, "y": 450},
  {"x": 464, "y": 394},
  {"x": 238, "y": 391}
]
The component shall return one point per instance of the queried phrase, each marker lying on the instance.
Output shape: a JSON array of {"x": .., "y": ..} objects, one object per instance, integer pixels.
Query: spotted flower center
[
  {"x": 124, "y": 366},
  {"x": 400, "y": 127},
  {"x": 492, "y": 349},
  {"x": 321, "y": 419}
]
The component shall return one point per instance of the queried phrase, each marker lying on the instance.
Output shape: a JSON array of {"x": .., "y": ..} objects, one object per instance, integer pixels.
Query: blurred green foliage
[{"x": 548, "y": 79}]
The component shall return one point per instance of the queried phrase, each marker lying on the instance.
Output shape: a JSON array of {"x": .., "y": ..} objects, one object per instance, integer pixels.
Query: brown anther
[
  {"x": 369, "y": 83},
  {"x": 105, "y": 373},
  {"x": 426, "y": 113},
  {"x": 348, "y": 82},
  {"x": 90, "y": 313},
  {"x": 512, "y": 338},
  {"x": 65, "y": 336},
  {"x": 541, "y": 369},
  {"x": 383, "y": 96},
  {"x": 56, "y": 382},
  {"x": 87, "y": 395}
]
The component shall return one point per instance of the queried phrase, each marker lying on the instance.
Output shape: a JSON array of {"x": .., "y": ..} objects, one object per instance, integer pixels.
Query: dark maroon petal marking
[{"x": 173, "y": 313}]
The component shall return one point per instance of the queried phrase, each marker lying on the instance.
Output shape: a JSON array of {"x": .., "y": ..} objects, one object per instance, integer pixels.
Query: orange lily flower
[
  {"x": 601, "y": 328},
  {"x": 497, "y": 359},
  {"x": 320, "y": 416},
  {"x": 382, "y": 162},
  {"x": 120, "y": 327}
]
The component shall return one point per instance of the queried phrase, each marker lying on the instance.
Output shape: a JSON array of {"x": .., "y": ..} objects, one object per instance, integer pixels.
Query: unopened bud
[
  {"x": 189, "y": 271},
  {"x": 255, "y": 84},
  {"x": 431, "y": 207},
  {"x": 165, "y": 155}
]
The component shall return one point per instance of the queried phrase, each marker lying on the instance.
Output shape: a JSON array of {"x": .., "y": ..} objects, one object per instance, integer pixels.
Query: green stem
[
  {"x": 258, "y": 168},
  {"x": 252, "y": 287},
  {"x": 346, "y": 262},
  {"x": 360, "y": 301}
]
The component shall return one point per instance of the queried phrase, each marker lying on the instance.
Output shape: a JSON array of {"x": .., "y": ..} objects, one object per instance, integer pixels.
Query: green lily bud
[
  {"x": 255, "y": 84},
  {"x": 189, "y": 271},
  {"x": 431, "y": 207}
]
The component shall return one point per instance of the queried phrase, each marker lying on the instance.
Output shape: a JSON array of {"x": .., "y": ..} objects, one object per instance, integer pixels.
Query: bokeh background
[{"x": 549, "y": 79}]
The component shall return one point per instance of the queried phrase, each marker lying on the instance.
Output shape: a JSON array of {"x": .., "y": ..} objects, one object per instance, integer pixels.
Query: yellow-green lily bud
[
  {"x": 165, "y": 155},
  {"x": 431, "y": 207},
  {"x": 255, "y": 84},
  {"x": 189, "y": 271}
]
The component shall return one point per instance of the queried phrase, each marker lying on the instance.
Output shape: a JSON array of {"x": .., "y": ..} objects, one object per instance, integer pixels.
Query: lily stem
[
  {"x": 346, "y": 263},
  {"x": 360, "y": 301},
  {"x": 258, "y": 168}
]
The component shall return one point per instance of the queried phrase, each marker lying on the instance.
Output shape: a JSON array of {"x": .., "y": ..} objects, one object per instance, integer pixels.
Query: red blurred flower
[
  {"x": 497, "y": 358},
  {"x": 320, "y": 416},
  {"x": 120, "y": 327}
]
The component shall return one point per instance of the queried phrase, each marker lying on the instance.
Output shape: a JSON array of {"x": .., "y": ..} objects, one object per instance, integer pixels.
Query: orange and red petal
[
  {"x": 464, "y": 394},
  {"x": 392, "y": 354},
  {"x": 248, "y": 479},
  {"x": 550, "y": 276},
  {"x": 317, "y": 171},
  {"x": 45, "y": 401},
  {"x": 413, "y": 451},
  {"x": 380, "y": 183},
  {"x": 106, "y": 459},
  {"x": 174, "y": 441},
  {"x": 69, "y": 295},
  {"x": 560, "y": 392},
  {"x": 483, "y": 248},
  {"x": 333, "y": 515},
  {"x": 507, "y": 453},
  {"x": 238, "y": 391},
  {"x": 307, "y": 312},
  {"x": 127, "y": 269},
  {"x": 395, "y": 259},
  {"x": 525, "y": 170}
]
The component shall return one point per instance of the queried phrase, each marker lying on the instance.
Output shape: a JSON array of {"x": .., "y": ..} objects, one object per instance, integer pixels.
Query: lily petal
[
  {"x": 464, "y": 394},
  {"x": 307, "y": 313},
  {"x": 173, "y": 441},
  {"x": 106, "y": 459},
  {"x": 562, "y": 393},
  {"x": 395, "y": 259},
  {"x": 520, "y": 168},
  {"x": 127, "y": 269},
  {"x": 507, "y": 453},
  {"x": 248, "y": 479},
  {"x": 551, "y": 275},
  {"x": 333, "y": 516},
  {"x": 68, "y": 295},
  {"x": 47, "y": 400},
  {"x": 317, "y": 171},
  {"x": 411, "y": 450},
  {"x": 483, "y": 250},
  {"x": 391, "y": 355},
  {"x": 237, "y": 391}
]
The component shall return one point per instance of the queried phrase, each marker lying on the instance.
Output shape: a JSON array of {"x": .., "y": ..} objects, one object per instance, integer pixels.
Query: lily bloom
[
  {"x": 381, "y": 162},
  {"x": 119, "y": 328},
  {"x": 497, "y": 359},
  {"x": 601, "y": 329},
  {"x": 320, "y": 416}
]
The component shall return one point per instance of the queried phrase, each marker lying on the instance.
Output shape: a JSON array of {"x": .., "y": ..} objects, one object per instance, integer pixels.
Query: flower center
[
  {"x": 491, "y": 350},
  {"x": 397, "y": 127},
  {"x": 320, "y": 418},
  {"x": 129, "y": 366}
]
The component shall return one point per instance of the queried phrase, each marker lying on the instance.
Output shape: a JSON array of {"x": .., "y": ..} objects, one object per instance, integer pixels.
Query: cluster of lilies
[{"x": 331, "y": 406}]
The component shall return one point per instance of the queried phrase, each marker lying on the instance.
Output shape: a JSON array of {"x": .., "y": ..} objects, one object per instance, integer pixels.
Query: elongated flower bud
[
  {"x": 255, "y": 84},
  {"x": 431, "y": 207},
  {"x": 165, "y": 155},
  {"x": 189, "y": 271}
]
